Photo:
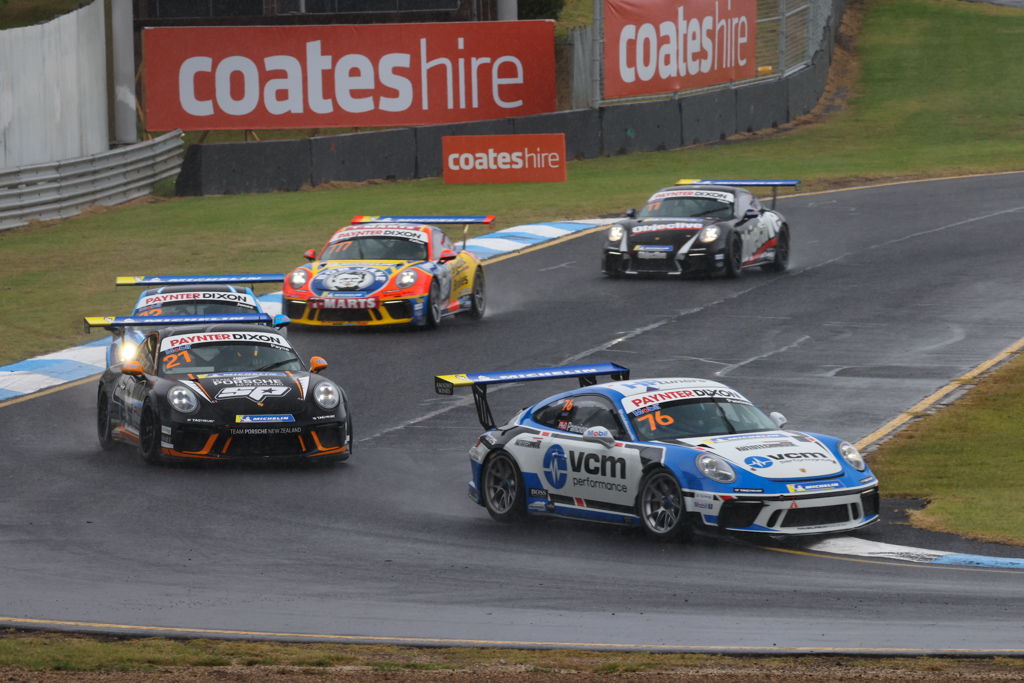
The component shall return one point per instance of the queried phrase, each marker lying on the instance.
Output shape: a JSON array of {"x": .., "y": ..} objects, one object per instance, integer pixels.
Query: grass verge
[
  {"x": 36, "y": 652},
  {"x": 906, "y": 124}
]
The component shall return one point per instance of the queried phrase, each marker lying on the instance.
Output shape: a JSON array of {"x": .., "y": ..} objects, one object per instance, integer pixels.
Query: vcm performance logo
[
  {"x": 504, "y": 158},
  {"x": 555, "y": 467}
]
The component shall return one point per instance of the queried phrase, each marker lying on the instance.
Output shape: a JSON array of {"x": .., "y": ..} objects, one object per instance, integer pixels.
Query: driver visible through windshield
[
  {"x": 698, "y": 417},
  {"x": 688, "y": 204},
  {"x": 379, "y": 248}
]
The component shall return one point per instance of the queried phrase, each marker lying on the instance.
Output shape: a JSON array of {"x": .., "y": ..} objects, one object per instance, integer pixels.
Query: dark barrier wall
[{"x": 232, "y": 168}]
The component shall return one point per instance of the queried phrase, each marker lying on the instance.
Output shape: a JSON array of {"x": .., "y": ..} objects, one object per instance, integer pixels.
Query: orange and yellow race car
[{"x": 385, "y": 270}]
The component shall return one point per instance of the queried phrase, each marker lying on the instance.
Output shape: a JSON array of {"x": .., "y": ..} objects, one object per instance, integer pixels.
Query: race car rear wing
[
  {"x": 158, "y": 280},
  {"x": 774, "y": 184},
  {"x": 479, "y": 381},
  {"x": 115, "y": 323},
  {"x": 429, "y": 220}
]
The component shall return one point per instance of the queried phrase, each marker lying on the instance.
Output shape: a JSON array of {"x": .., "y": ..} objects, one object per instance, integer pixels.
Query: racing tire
[
  {"x": 103, "y": 428},
  {"x": 432, "y": 318},
  {"x": 781, "y": 261},
  {"x": 734, "y": 257},
  {"x": 150, "y": 437},
  {"x": 501, "y": 484},
  {"x": 661, "y": 507},
  {"x": 478, "y": 299}
]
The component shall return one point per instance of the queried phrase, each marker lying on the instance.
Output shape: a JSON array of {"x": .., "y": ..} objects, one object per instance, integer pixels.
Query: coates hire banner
[
  {"x": 246, "y": 77},
  {"x": 532, "y": 158},
  {"x": 661, "y": 46}
]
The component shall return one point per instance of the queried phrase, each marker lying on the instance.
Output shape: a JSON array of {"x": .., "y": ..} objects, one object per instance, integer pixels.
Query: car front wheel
[
  {"x": 478, "y": 302},
  {"x": 103, "y": 428},
  {"x": 734, "y": 257},
  {"x": 660, "y": 506},
  {"x": 150, "y": 437},
  {"x": 781, "y": 260}
]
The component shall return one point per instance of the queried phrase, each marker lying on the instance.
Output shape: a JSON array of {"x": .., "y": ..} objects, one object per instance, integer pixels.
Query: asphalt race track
[{"x": 893, "y": 291}]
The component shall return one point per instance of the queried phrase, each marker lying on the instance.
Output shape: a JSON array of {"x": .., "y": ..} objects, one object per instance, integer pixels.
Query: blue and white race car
[
  {"x": 672, "y": 455},
  {"x": 185, "y": 300}
]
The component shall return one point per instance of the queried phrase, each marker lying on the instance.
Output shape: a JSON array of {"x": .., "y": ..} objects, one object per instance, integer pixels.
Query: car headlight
[
  {"x": 713, "y": 467},
  {"x": 407, "y": 278},
  {"x": 709, "y": 234},
  {"x": 127, "y": 350},
  {"x": 616, "y": 233},
  {"x": 327, "y": 395},
  {"x": 298, "y": 278},
  {"x": 182, "y": 400},
  {"x": 852, "y": 456}
]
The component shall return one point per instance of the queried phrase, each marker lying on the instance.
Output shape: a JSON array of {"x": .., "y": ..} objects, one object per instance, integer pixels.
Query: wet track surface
[{"x": 892, "y": 292}]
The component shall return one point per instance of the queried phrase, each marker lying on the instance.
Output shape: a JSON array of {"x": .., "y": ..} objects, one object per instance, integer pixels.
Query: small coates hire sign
[
  {"x": 535, "y": 158},
  {"x": 248, "y": 77}
]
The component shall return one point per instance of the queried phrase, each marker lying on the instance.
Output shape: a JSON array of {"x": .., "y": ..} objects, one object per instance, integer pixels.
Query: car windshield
[
  {"x": 685, "y": 207},
  {"x": 228, "y": 357},
  {"x": 378, "y": 248},
  {"x": 195, "y": 308},
  {"x": 698, "y": 417}
]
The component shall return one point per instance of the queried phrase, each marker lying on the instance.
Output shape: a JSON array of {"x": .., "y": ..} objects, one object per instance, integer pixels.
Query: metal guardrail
[{"x": 63, "y": 188}]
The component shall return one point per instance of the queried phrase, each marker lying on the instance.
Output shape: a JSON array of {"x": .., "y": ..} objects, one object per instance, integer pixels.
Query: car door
[
  {"x": 580, "y": 471},
  {"x": 443, "y": 272}
]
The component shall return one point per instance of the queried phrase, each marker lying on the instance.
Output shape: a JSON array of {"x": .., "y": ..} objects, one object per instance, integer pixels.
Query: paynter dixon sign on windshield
[
  {"x": 663, "y": 46},
  {"x": 247, "y": 77}
]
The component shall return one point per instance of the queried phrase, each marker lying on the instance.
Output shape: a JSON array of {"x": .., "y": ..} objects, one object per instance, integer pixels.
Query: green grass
[
  {"x": 33, "y": 652},
  {"x": 965, "y": 460},
  {"x": 15, "y": 13},
  {"x": 907, "y": 123}
]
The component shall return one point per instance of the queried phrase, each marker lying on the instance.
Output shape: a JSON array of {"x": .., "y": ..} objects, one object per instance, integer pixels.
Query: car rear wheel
[
  {"x": 781, "y": 260},
  {"x": 502, "y": 485},
  {"x": 660, "y": 506},
  {"x": 150, "y": 437},
  {"x": 103, "y": 428},
  {"x": 478, "y": 302},
  {"x": 734, "y": 257}
]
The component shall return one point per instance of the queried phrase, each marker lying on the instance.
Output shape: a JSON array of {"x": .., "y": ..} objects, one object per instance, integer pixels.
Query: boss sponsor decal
[
  {"x": 397, "y": 230},
  {"x": 175, "y": 297},
  {"x": 696, "y": 194},
  {"x": 180, "y": 340},
  {"x": 254, "y": 394},
  {"x": 256, "y": 419},
  {"x": 538, "y": 493},
  {"x": 817, "y": 486},
  {"x": 634, "y": 402},
  {"x": 656, "y": 227}
]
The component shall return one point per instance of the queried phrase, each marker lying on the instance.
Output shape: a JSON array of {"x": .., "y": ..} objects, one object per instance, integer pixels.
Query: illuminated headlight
[
  {"x": 182, "y": 400},
  {"x": 852, "y": 456},
  {"x": 616, "y": 233},
  {"x": 709, "y": 234},
  {"x": 326, "y": 395},
  {"x": 407, "y": 278},
  {"x": 713, "y": 467},
  {"x": 298, "y": 278},
  {"x": 127, "y": 351}
]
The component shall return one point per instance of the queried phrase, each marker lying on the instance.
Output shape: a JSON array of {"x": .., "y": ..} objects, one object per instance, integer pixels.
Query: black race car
[
  {"x": 700, "y": 227},
  {"x": 222, "y": 392}
]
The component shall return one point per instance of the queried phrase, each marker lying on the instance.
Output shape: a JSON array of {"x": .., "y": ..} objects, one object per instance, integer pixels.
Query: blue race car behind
[{"x": 672, "y": 455}]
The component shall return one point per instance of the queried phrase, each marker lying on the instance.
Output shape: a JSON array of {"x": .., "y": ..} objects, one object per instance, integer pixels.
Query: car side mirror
[
  {"x": 750, "y": 214},
  {"x": 133, "y": 368},
  {"x": 778, "y": 418},
  {"x": 630, "y": 213},
  {"x": 310, "y": 254},
  {"x": 316, "y": 364},
  {"x": 447, "y": 255},
  {"x": 601, "y": 435},
  {"x": 281, "y": 321}
]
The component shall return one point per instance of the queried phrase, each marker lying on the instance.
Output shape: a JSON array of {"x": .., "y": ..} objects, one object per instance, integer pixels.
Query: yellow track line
[{"x": 503, "y": 643}]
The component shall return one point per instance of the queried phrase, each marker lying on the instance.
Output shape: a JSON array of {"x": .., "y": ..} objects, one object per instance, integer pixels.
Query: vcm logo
[{"x": 254, "y": 394}]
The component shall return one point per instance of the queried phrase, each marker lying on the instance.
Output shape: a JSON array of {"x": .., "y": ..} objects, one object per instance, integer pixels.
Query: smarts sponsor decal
[
  {"x": 530, "y": 158},
  {"x": 660, "y": 46},
  {"x": 244, "y": 77}
]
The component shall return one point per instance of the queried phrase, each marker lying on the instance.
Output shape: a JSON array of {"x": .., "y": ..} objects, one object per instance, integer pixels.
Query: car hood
[
  {"x": 356, "y": 278},
  {"x": 239, "y": 396},
  {"x": 773, "y": 455}
]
